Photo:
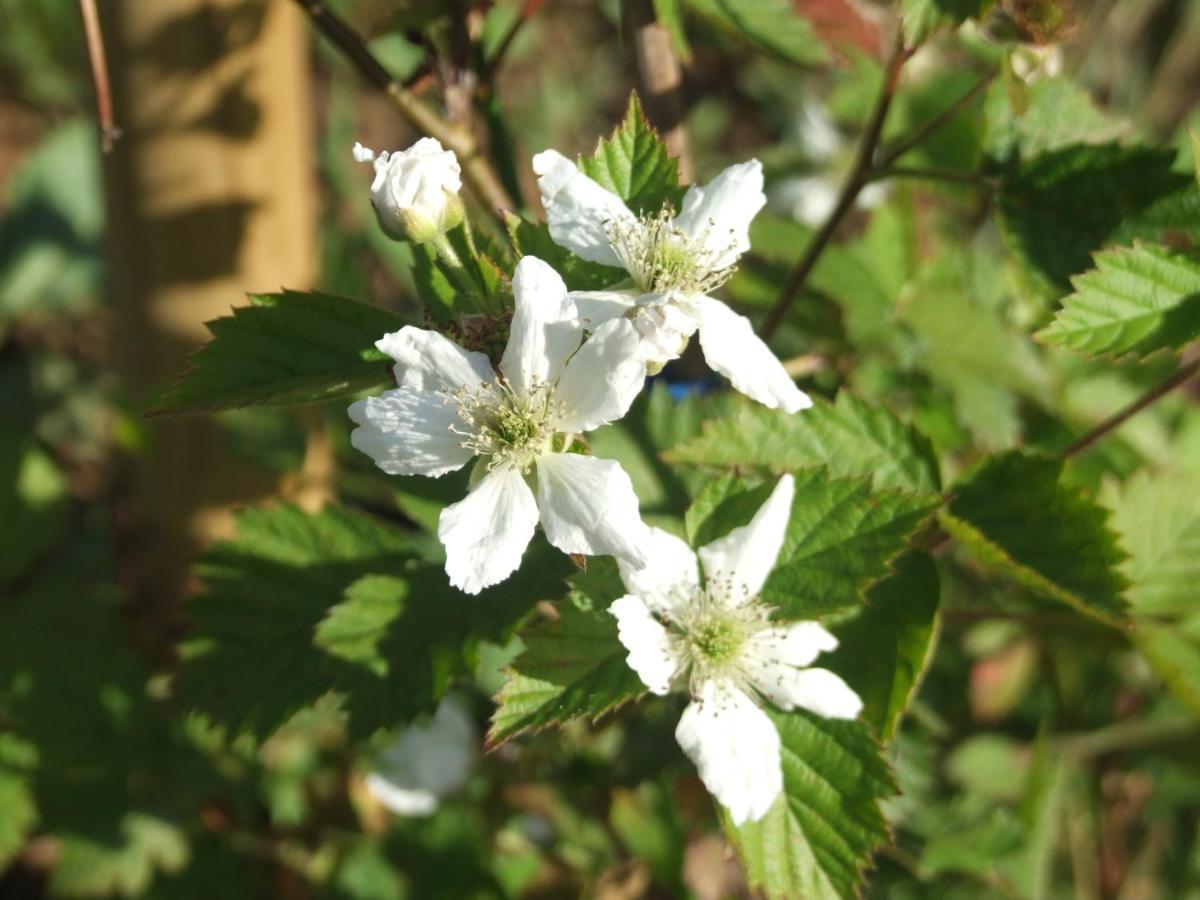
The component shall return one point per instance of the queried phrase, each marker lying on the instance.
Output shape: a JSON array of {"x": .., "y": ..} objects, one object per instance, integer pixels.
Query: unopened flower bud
[{"x": 415, "y": 192}]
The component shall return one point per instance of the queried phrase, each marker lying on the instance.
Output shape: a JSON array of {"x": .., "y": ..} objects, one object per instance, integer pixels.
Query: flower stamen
[{"x": 661, "y": 257}]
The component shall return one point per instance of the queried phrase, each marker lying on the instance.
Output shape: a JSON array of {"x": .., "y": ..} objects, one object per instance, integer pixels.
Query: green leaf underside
[
  {"x": 283, "y": 349},
  {"x": 1013, "y": 513},
  {"x": 268, "y": 595},
  {"x": 818, "y": 837},
  {"x": 923, "y": 17},
  {"x": 1059, "y": 207},
  {"x": 1137, "y": 300},
  {"x": 849, "y": 436},
  {"x": 571, "y": 667},
  {"x": 772, "y": 26},
  {"x": 885, "y": 648},
  {"x": 840, "y": 538},
  {"x": 632, "y": 162}
]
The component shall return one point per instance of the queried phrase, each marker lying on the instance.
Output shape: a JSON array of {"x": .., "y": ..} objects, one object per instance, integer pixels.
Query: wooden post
[{"x": 211, "y": 196}]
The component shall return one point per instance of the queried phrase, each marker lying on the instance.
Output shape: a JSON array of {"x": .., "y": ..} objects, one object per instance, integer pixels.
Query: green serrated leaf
[
  {"x": 841, "y": 537},
  {"x": 533, "y": 239},
  {"x": 1059, "y": 207},
  {"x": 818, "y": 837},
  {"x": 1158, "y": 519},
  {"x": 573, "y": 666},
  {"x": 1137, "y": 300},
  {"x": 268, "y": 592},
  {"x": 923, "y": 17},
  {"x": 849, "y": 436},
  {"x": 633, "y": 163},
  {"x": 1014, "y": 513},
  {"x": 352, "y": 629},
  {"x": 885, "y": 647},
  {"x": 773, "y": 26},
  {"x": 284, "y": 349},
  {"x": 88, "y": 867}
]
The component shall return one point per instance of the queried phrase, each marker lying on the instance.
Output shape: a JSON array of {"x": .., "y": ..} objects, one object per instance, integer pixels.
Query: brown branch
[
  {"x": 857, "y": 179},
  {"x": 973, "y": 178},
  {"x": 889, "y": 155},
  {"x": 660, "y": 78},
  {"x": 109, "y": 132},
  {"x": 477, "y": 170},
  {"x": 1115, "y": 421}
]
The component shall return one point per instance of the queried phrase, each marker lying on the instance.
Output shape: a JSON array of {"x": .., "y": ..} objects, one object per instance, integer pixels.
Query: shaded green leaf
[
  {"x": 1053, "y": 113},
  {"x": 267, "y": 595},
  {"x": 1014, "y": 513},
  {"x": 533, "y": 239},
  {"x": 572, "y": 666},
  {"x": 884, "y": 648},
  {"x": 1137, "y": 300},
  {"x": 18, "y": 809},
  {"x": 923, "y": 17},
  {"x": 1059, "y": 207},
  {"x": 818, "y": 837},
  {"x": 286, "y": 348},
  {"x": 632, "y": 162},
  {"x": 849, "y": 436},
  {"x": 772, "y": 26}
]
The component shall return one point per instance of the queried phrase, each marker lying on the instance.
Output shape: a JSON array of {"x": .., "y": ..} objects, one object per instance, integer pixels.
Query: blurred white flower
[
  {"x": 415, "y": 192},
  {"x": 674, "y": 261},
  {"x": 451, "y": 408},
  {"x": 809, "y": 199},
  {"x": 719, "y": 641},
  {"x": 1032, "y": 63},
  {"x": 426, "y": 763}
]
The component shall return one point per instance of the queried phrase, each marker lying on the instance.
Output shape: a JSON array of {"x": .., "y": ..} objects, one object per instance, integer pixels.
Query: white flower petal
[
  {"x": 407, "y": 432},
  {"x": 400, "y": 800},
  {"x": 597, "y": 307},
  {"x": 791, "y": 644},
  {"x": 486, "y": 533},
  {"x": 588, "y": 506},
  {"x": 736, "y": 749},
  {"x": 732, "y": 348},
  {"x": 665, "y": 324},
  {"x": 578, "y": 210},
  {"x": 741, "y": 561},
  {"x": 545, "y": 329},
  {"x": 817, "y": 690},
  {"x": 718, "y": 215},
  {"x": 670, "y": 576},
  {"x": 433, "y": 362},
  {"x": 652, "y": 653},
  {"x": 602, "y": 380}
]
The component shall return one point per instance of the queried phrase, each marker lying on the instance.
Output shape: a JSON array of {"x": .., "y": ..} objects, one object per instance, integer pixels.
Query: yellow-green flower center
[
  {"x": 662, "y": 258},
  {"x": 506, "y": 426}
]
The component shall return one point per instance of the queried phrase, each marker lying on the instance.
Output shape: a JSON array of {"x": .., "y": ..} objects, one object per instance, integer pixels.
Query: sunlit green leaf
[
  {"x": 773, "y": 26},
  {"x": 632, "y": 162},
  {"x": 849, "y": 436},
  {"x": 1137, "y": 300}
]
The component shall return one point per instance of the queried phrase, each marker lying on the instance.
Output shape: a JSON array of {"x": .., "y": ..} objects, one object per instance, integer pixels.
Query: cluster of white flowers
[{"x": 575, "y": 361}]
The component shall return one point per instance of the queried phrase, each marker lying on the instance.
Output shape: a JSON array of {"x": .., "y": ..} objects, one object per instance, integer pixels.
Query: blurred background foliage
[{"x": 1046, "y": 756}]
